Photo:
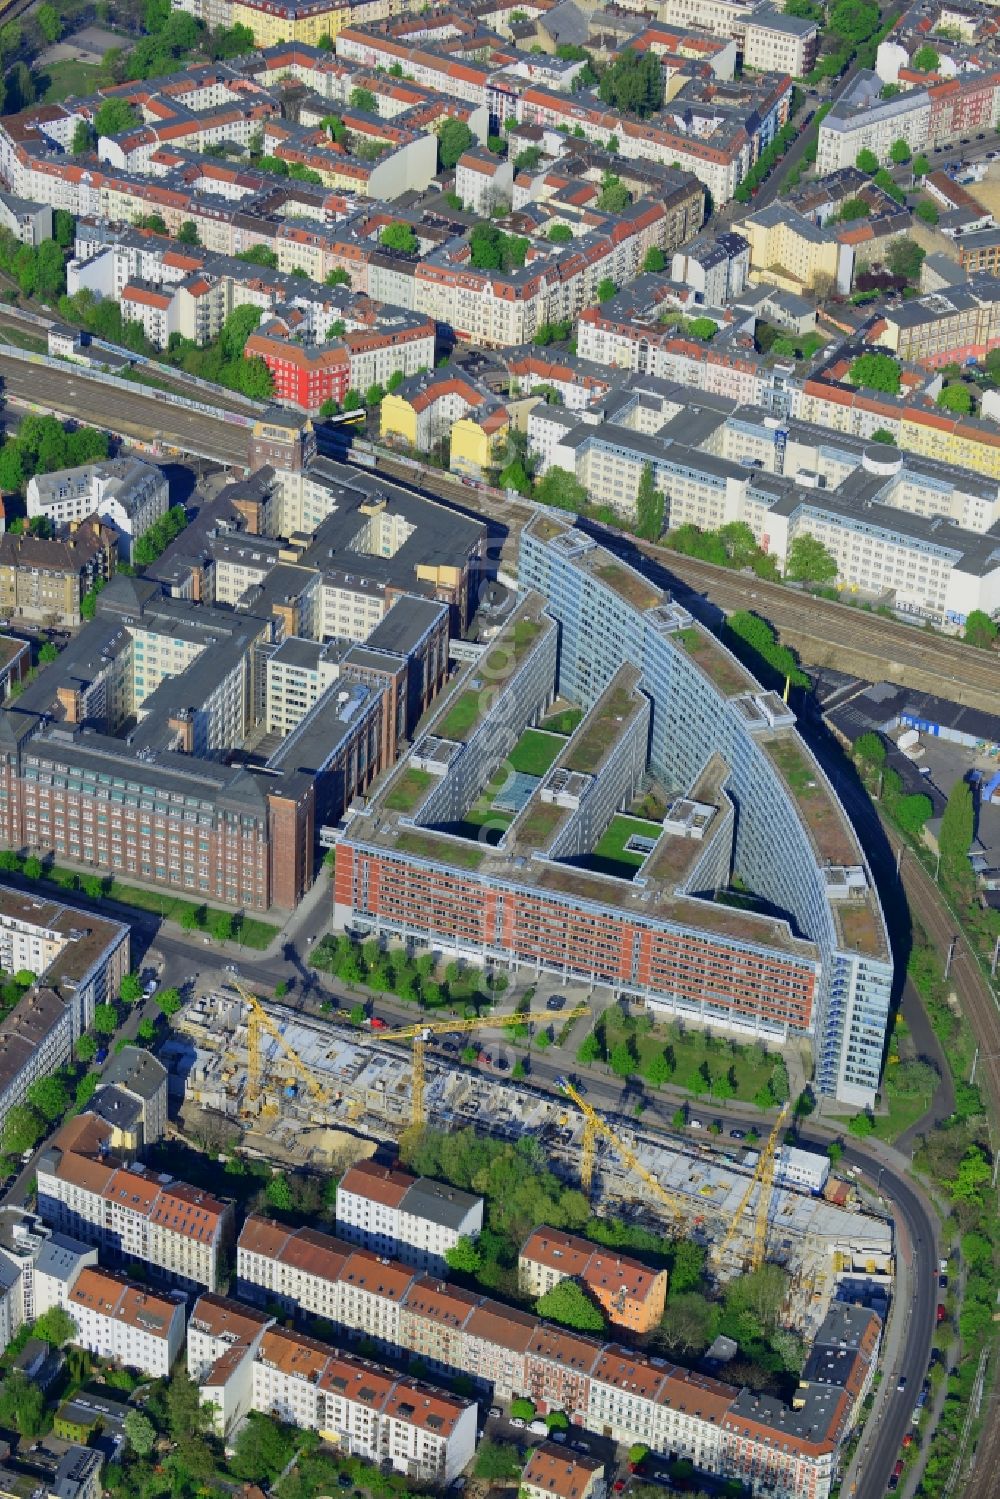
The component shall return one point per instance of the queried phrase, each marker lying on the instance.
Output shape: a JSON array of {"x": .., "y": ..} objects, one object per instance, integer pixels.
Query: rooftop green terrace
[
  {"x": 601, "y": 730},
  {"x": 713, "y": 658},
  {"x": 409, "y": 790}
]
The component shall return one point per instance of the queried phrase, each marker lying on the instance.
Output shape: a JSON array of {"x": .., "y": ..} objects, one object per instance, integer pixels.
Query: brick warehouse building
[
  {"x": 128, "y": 753},
  {"x": 665, "y": 706}
]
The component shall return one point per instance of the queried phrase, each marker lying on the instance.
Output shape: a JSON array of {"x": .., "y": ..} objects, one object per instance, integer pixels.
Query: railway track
[{"x": 826, "y": 633}]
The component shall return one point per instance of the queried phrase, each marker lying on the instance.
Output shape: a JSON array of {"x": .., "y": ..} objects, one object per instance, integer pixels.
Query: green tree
[
  {"x": 884, "y": 435},
  {"x": 22, "y": 1405},
  {"x": 689, "y": 1323},
  {"x": 55, "y": 1326},
  {"x": 979, "y": 630},
  {"x": 972, "y": 1178},
  {"x": 560, "y": 234},
  {"x": 146, "y": 1031},
  {"x": 522, "y": 1409},
  {"x": 870, "y": 750},
  {"x": 131, "y": 988},
  {"x": 86, "y": 1048},
  {"x": 810, "y": 562},
  {"x": 649, "y": 506},
  {"x": 568, "y": 1304},
  {"x": 83, "y": 138},
  {"x": 23, "y": 1127},
  {"x": 454, "y": 138},
  {"x": 925, "y": 59},
  {"x": 32, "y": 868},
  {"x": 168, "y": 1002},
  {"x": 264, "y": 1448},
  {"x": 188, "y": 233},
  {"x": 876, "y": 372},
  {"x": 561, "y": 489},
  {"x": 279, "y": 1194},
  {"x": 606, "y": 289},
  {"x": 497, "y": 1462},
  {"x": 633, "y": 83},
  {"x": 48, "y": 653},
  {"x": 364, "y": 100},
  {"x": 49, "y": 1096},
  {"x": 687, "y": 1266},
  {"x": 399, "y": 237},
  {"x": 614, "y": 196},
  {"x": 921, "y": 166},
  {"x": 221, "y": 926},
  {"x": 899, "y": 153},
  {"x": 867, "y": 161},
  {"x": 49, "y": 22},
  {"x": 655, "y": 259},
  {"x": 854, "y": 20},
  {"x": 140, "y": 1433},
  {"x": 515, "y": 476},
  {"x": 623, "y": 1060},
  {"x": 955, "y": 397},
  {"x": 956, "y": 832},
  {"x": 590, "y": 1050},
  {"x": 114, "y": 117},
  {"x": 905, "y": 257},
  {"x": 105, "y": 1020},
  {"x": 464, "y": 1256},
  {"x": 861, "y": 1125}
]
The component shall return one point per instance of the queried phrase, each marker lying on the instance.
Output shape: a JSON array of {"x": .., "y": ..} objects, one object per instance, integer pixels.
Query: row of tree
[{"x": 42, "y": 446}]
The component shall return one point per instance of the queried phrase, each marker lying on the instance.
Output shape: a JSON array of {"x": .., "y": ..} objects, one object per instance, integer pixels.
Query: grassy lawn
[
  {"x": 408, "y": 790},
  {"x": 564, "y": 722},
  {"x": 461, "y": 716},
  {"x": 252, "y": 933},
  {"x": 749, "y": 1066},
  {"x": 534, "y": 752},
  {"x": 60, "y": 79},
  {"x": 610, "y": 856}
]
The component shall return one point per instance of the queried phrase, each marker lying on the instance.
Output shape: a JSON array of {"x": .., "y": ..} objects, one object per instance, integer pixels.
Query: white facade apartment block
[
  {"x": 176, "y": 1229},
  {"x": 222, "y": 1339},
  {"x": 118, "y": 1319},
  {"x": 127, "y": 494},
  {"x": 420, "y": 1431},
  {"x": 413, "y": 1218}
]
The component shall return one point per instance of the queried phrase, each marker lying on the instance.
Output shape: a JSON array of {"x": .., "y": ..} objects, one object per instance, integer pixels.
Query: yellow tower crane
[
  {"x": 421, "y": 1034},
  {"x": 762, "y": 1178},
  {"x": 594, "y": 1125},
  {"x": 259, "y": 1020}
]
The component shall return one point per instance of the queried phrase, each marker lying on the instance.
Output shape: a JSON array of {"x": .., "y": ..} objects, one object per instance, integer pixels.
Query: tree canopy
[
  {"x": 633, "y": 83},
  {"x": 956, "y": 397},
  {"x": 876, "y": 372},
  {"x": 454, "y": 138},
  {"x": 568, "y": 1304},
  {"x": 810, "y": 562},
  {"x": 490, "y": 249},
  {"x": 114, "y": 117},
  {"x": 399, "y": 237},
  {"x": 979, "y": 629}
]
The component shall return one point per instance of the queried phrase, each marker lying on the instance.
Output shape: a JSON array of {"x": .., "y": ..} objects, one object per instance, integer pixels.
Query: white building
[
  {"x": 802, "y": 1168},
  {"x": 129, "y": 1212},
  {"x": 118, "y": 1319},
  {"x": 415, "y": 1219},
  {"x": 420, "y": 1431},
  {"x": 125, "y": 493},
  {"x": 222, "y": 1339}
]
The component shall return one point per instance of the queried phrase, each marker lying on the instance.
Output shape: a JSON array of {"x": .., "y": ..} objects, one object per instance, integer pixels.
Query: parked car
[
  {"x": 495, "y": 1411},
  {"x": 516, "y": 1421},
  {"x": 898, "y": 1469},
  {"x": 901, "y": 1385},
  {"x": 579, "y": 1446},
  {"x": 893, "y": 1483},
  {"x": 737, "y": 1134},
  {"x": 538, "y": 1428},
  {"x": 908, "y": 1439},
  {"x": 942, "y": 1312},
  {"x": 555, "y": 1002},
  {"x": 942, "y": 1282},
  {"x": 696, "y": 1124}
]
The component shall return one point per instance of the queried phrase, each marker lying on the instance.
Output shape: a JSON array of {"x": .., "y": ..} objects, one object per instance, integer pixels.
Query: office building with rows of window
[{"x": 463, "y": 852}]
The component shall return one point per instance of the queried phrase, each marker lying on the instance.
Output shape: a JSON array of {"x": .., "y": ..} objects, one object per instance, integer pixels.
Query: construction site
[{"x": 312, "y": 1093}]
